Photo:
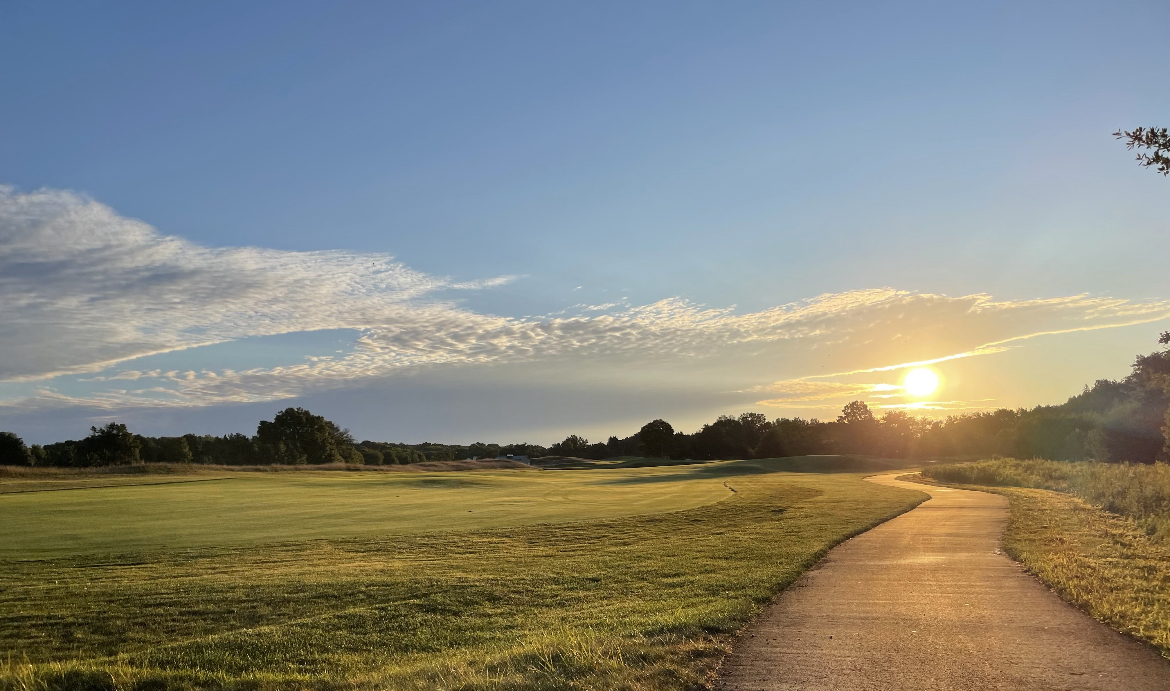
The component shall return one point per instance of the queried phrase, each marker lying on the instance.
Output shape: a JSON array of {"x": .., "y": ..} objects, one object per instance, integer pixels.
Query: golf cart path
[{"x": 927, "y": 601}]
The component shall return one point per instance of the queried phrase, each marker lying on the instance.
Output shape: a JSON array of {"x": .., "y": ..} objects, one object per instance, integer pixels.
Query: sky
[{"x": 514, "y": 221}]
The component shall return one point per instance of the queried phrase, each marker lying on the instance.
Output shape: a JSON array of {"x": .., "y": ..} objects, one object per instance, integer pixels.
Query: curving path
[{"x": 927, "y": 601}]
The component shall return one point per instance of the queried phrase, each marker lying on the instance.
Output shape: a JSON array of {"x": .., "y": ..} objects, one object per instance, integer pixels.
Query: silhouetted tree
[
  {"x": 1156, "y": 140},
  {"x": 113, "y": 444},
  {"x": 683, "y": 446},
  {"x": 727, "y": 437},
  {"x": 523, "y": 449},
  {"x": 234, "y": 449},
  {"x": 165, "y": 450},
  {"x": 63, "y": 454},
  {"x": 857, "y": 430},
  {"x": 572, "y": 445},
  {"x": 655, "y": 438},
  {"x": 857, "y": 411},
  {"x": 13, "y": 451},
  {"x": 792, "y": 437},
  {"x": 899, "y": 431},
  {"x": 753, "y": 426}
]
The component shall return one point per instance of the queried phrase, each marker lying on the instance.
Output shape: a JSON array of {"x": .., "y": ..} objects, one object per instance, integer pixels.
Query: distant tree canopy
[
  {"x": 13, "y": 451},
  {"x": 110, "y": 445},
  {"x": 296, "y": 436},
  {"x": 166, "y": 450},
  {"x": 572, "y": 445},
  {"x": 656, "y": 438},
  {"x": 855, "y": 413},
  {"x": 1125, "y": 420},
  {"x": 1154, "y": 139},
  {"x": 791, "y": 437}
]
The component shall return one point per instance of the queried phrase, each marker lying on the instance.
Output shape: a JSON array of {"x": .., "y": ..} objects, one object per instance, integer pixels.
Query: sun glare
[{"x": 920, "y": 382}]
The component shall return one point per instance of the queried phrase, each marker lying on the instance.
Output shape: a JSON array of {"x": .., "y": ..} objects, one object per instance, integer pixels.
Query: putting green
[{"x": 257, "y": 508}]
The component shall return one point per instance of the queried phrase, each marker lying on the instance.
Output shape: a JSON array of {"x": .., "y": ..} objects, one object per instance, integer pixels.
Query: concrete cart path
[{"x": 927, "y": 601}]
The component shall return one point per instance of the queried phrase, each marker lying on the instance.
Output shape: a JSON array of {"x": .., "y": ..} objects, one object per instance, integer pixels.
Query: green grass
[
  {"x": 253, "y": 508},
  {"x": 604, "y": 602},
  {"x": 1108, "y": 557}
]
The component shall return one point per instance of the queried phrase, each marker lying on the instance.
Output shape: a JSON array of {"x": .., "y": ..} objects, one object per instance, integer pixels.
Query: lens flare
[{"x": 920, "y": 382}]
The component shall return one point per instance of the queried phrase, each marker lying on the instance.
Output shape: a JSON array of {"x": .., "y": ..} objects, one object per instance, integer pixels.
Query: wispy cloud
[
  {"x": 794, "y": 391},
  {"x": 84, "y": 289}
]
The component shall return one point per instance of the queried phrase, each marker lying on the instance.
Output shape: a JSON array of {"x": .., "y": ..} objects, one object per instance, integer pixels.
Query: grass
[
  {"x": 606, "y": 602},
  {"x": 1112, "y": 565},
  {"x": 794, "y": 464},
  {"x": 243, "y": 508},
  {"x": 1139, "y": 492}
]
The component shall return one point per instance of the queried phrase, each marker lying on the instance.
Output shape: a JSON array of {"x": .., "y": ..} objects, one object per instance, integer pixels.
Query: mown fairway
[
  {"x": 610, "y": 600},
  {"x": 255, "y": 508}
]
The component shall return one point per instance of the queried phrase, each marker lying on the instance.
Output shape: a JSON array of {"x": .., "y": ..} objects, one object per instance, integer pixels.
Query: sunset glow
[
  {"x": 920, "y": 381},
  {"x": 672, "y": 227}
]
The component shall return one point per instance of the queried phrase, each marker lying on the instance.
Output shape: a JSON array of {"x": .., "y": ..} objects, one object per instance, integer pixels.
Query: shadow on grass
[
  {"x": 793, "y": 464},
  {"x": 441, "y": 482}
]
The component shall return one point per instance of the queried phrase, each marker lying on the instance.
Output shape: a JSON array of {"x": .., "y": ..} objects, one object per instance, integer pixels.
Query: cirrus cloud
[{"x": 84, "y": 288}]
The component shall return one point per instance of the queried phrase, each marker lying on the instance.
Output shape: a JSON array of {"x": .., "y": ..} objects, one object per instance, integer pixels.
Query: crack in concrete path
[{"x": 928, "y": 601}]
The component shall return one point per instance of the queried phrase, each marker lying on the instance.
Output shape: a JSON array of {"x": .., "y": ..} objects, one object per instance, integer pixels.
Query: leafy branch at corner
[{"x": 1155, "y": 139}]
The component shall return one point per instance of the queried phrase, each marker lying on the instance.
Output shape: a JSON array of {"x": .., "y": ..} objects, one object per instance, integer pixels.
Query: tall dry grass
[{"x": 1138, "y": 492}]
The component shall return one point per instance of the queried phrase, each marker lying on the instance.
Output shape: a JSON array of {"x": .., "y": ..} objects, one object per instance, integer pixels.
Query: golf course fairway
[
  {"x": 509, "y": 579},
  {"x": 256, "y": 508}
]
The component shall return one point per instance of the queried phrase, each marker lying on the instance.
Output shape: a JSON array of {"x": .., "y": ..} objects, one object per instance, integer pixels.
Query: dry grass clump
[
  {"x": 1139, "y": 492},
  {"x": 1100, "y": 562}
]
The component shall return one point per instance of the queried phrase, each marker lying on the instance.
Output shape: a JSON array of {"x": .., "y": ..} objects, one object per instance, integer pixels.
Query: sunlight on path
[{"x": 927, "y": 601}]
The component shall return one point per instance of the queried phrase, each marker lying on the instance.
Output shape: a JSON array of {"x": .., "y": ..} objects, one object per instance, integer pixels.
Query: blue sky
[{"x": 562, "y": 209}]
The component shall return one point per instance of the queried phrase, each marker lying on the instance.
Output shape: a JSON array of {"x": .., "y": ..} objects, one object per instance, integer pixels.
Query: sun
[{"x": 920, "y": 381}]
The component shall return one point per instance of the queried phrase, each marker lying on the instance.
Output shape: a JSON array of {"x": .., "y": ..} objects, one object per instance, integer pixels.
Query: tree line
[
  {"x": 1111, "y": 421},
  {"x": 294, "y": 437},
  {"x": 1122, "y": 420}
]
